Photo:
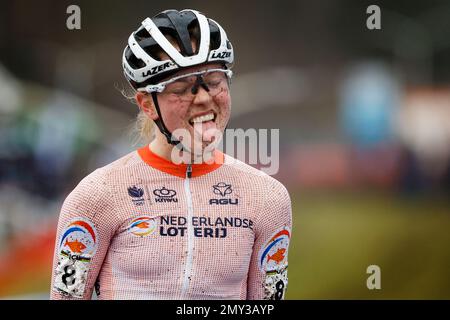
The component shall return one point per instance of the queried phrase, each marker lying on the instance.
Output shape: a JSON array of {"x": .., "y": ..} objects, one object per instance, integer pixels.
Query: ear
[{"x": 145, "y": 103}]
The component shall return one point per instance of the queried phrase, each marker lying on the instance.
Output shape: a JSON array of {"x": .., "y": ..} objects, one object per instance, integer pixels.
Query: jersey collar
[{"x": 179, "y": 170}]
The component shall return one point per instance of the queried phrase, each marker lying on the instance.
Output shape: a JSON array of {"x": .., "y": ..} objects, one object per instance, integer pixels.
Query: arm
[
  {"x": 267, "y": 278},
  {"x": 85, "y": 228}
]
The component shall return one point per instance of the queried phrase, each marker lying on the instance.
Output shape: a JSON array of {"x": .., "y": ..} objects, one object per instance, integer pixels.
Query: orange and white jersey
[{"x": 143, "y": 227}]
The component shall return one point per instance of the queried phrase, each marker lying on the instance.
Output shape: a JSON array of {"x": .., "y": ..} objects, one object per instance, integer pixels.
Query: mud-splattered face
[
  {"x": 202, "y": 115},
  {"x": 202, "y": 118}
]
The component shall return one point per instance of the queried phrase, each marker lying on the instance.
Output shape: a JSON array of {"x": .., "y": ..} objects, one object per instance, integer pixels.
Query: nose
[{"x": 202, "y": 96}]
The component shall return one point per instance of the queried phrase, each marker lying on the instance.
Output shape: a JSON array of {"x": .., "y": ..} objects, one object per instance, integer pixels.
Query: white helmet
[{"x": 142, "y": 65}]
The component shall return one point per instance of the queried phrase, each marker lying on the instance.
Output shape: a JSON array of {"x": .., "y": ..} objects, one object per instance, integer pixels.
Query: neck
[{"x": 160, "y": 147}]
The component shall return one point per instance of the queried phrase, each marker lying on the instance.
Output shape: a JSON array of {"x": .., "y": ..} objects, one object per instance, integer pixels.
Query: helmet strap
[{"x": 160, "y": 123}]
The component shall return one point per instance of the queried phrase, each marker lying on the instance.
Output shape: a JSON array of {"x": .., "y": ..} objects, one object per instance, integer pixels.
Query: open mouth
[{"x": 211, "y": 116}]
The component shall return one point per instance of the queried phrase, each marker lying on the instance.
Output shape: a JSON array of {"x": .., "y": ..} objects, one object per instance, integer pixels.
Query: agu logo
[
  {"x": 142, "y": 226},
  {"x": 79, "y": 239},
  {"x": 223, "y": 189},
  {"x": 273, "y": 254}
]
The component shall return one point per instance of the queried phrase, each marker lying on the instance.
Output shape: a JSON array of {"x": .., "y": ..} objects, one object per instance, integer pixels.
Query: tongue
[{"x": 206, "y": 130}]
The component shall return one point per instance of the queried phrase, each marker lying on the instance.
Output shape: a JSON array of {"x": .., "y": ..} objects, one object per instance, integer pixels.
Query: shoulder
[
  {"x": 104, "y": 174},
  {"x": 125, "y": 162},
  {"x": 111, "y": 171},
  {"x": 270, "y": 187},
  {"x": 94, "y": 189},
  {"x": 272, "y": 206}
]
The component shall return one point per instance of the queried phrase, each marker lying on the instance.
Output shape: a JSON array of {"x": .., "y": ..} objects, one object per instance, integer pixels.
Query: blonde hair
[{"x": 142, "y": 130}]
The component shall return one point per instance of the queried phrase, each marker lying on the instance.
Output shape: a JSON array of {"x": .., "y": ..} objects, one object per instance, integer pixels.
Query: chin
[
  {"x": 200, "y": 147},
  {"x": 210, "y": 144}
]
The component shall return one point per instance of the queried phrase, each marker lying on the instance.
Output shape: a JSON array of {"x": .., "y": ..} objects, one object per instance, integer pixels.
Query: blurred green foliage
[{"x": 336, "y": 236}]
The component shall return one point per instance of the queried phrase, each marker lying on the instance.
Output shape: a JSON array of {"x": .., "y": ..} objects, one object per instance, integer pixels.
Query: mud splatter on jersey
[{"x": 139, "y": 228}]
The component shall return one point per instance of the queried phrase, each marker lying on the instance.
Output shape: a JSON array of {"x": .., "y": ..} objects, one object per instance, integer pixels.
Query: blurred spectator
[{"x": 423, "y": 125}]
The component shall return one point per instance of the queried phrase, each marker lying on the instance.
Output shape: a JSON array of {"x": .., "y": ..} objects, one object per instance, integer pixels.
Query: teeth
[{"x": 204, "y": 118}]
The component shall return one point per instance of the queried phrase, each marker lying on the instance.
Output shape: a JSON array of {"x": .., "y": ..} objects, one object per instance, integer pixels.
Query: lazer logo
[
  {"x": 221, "y": 55},
  {"x": 222, "y": 189},
  {"x": 157, "y": 69},
  {"x": 165, "y": 195}
]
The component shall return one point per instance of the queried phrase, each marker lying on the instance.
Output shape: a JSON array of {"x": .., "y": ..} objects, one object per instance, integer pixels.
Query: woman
[{"x": 176, "y": 219}]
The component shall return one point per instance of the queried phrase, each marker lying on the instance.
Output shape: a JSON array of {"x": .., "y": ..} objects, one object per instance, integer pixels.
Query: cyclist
[{"x": 154, "y": 226}]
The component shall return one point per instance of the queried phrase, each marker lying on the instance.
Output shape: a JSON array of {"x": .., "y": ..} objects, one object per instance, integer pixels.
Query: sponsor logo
[
  {"x": 165, "y": 195},
  {"x": 274, "y": 252},
  {"x": 203, "y": 227},
  {"x": 137, "y": 195},
  {"x": 142, "y": 226},
  {"x": 222, "y": 189},
  {"x": 220, "y": 55},
  {"x": 79, "y": 238},
  {"x": 273, "y": 261},
  {"x": 77, "y": 246},
  {"x": 157, "y": 69}
]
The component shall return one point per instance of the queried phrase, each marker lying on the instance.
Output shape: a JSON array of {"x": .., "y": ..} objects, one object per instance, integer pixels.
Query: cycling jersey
[{"x": 143, "y": 227}]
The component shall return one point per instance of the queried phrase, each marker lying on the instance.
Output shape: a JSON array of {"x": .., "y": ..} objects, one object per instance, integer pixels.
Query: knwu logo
[
  {"x": 223, "y": 190},
  {"x": 165, "y": 195}
]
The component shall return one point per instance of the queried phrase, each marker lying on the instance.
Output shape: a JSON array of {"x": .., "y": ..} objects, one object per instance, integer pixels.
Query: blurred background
[{"x": 364, "y": 119}]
